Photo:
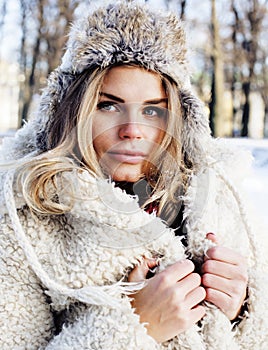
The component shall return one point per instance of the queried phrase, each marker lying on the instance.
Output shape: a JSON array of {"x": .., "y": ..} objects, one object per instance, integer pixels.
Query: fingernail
[{"x": 211, "y": 233}]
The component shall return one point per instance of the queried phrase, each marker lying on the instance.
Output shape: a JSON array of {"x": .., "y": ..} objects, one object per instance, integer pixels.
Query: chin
[
  {"x": 126, "y": 177},
  {"x": 126, "y": 173}
]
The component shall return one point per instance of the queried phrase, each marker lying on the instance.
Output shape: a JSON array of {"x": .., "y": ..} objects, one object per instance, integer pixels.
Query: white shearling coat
[{"x": 77, "y": 263}]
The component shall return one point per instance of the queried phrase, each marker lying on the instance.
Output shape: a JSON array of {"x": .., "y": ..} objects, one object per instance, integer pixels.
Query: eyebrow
[{"x": 154, "y": 101}]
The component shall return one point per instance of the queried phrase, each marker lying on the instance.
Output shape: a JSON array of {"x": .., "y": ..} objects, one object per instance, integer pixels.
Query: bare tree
[
  {"x": 179, "y": 5},
  {"x": 31, "y": 72},
  {"x": 248, "y": 26},
  {"x": 235, "y": 62},
  {"x": 250, "y": 46},
  {"x": 41, "y": 48},
  {"x": 60, "y": 14},
  {"x": 23, "y": 60},
  {"x": 217, "y": 85},
  {"x": 263, "y": 85},
  {"x": 3, "y": 12}
]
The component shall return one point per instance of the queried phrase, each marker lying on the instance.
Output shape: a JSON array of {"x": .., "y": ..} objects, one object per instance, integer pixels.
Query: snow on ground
[
  {"x": 256, "y": 182},
  {"x": 256, "y": 188}
]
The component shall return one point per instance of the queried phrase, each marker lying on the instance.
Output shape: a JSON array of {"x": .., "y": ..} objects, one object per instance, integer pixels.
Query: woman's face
[{"x": 129, "y": 122}]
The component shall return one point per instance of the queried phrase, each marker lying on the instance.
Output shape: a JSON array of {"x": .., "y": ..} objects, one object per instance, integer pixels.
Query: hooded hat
[{"x": 119, "y": 33}]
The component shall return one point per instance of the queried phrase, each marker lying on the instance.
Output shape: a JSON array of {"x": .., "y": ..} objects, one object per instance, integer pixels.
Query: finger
[
  {"x": 220, "y": 284},
  {"x": 225, "y": 255},
  {"x": 218, "y": 298},
  {"x": 191, "y": 317},
  {"x": 140, "y": 271},
  {"x": 195, "y": 297},
  {"x": 230, "y": 305},
  {"x": 226, "y": 270},
  {"x": 189, "y": 283},
  {"x": 176, "y": 272},
  {"x": 197, "y": 313},
  {"x": 212, "y": 237}
]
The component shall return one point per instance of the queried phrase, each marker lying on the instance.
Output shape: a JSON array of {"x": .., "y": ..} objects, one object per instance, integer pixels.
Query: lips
[{"x": 130, "y": 157}]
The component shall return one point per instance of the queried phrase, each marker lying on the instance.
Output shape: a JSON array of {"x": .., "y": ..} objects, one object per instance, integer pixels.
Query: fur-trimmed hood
[{"x": 120, "y": 33}]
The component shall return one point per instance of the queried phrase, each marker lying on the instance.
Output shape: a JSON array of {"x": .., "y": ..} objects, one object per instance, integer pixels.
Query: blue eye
[
  {"x": 107, "y": 106},
  {"x": 154, "y": 111}
]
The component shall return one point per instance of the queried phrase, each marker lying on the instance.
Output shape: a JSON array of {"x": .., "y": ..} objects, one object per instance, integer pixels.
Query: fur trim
[{"x": 119, "y": 33}]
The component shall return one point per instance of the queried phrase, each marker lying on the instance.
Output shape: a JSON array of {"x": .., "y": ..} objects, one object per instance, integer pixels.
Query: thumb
[
  {"x": 212, "y": 237},
  {"x": 141, "y": 270}
]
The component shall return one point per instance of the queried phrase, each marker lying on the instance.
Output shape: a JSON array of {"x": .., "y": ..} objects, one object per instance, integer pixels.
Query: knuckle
[
  {"x": 237, "y": 290},
  {"x": 207, "y": 266},
  {"x": 189, "y": 265},
  {"x": 176, "y": 298},
  {"x": 202, "y": 292},
  {"x": 163, "y": 278},
  {"x": 196, "y": 278},
  {"x": 209, "y": 293},
  {"x": 179, "y": 309},
  {"x": 242, "y": 273},
  {"x": 206, "y": 279},
  {"x": 186, "y": 323},
  {"x": 234, "y": 289},
  {"x": 241, "y": 290},
  {"x": 185, "y": 320},
  {"x": 230, "y": 307},
  {"x": 213, "y": 252},
  {"x": 244, "y": 277}
]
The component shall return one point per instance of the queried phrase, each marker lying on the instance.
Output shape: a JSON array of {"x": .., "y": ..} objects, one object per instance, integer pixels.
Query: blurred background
[{"x": 228, "y": 53}]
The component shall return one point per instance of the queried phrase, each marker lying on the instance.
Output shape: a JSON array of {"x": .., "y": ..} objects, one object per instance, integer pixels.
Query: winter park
[{"x": 134, "y": 174}]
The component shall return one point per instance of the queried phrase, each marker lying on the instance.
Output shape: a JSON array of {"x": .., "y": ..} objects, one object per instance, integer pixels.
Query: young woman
[{"x": 109, "y": 198}]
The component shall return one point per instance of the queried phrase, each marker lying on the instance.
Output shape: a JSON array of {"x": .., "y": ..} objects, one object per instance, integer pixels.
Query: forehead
[{"x": 133, "y": 84}]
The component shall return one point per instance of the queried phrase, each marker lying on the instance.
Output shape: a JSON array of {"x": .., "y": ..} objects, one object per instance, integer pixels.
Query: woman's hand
[
  {"x": 169, "y": 302},
  {"x": 225, "y": 279}
]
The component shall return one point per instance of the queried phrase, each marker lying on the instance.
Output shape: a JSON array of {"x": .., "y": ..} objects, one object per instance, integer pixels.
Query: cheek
[
  {"x": 157, "y": 134},
  {"x": 101, "y": 135},
  {"x": 98, "y": 145}
]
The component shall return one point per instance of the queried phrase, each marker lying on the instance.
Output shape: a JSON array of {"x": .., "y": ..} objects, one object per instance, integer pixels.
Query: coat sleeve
[
  {"x": 252, "y": 331},
  {"x": 26, "y": 321},
  {"x": 101, "y": 328}
]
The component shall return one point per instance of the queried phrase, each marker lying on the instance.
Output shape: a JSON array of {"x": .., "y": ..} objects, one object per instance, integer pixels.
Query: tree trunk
[
  {"x": 217, "y": 85},
  {"x": 30, "y": 80},
  {"x": 246, "y": 109},
  {"x": 183, "y": 8},
  {"x": 265, "y": 126},
  {"x": 235, "y": 65},
  {"x": 23, "y": 58}
]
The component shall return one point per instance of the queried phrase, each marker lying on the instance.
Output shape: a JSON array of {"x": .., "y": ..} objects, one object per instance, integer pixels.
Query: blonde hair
[{"x": 72, "y": 148}]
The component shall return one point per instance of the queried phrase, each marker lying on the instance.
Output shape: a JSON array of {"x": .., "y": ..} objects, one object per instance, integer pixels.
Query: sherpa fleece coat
[{"x": 76, "y": 264}]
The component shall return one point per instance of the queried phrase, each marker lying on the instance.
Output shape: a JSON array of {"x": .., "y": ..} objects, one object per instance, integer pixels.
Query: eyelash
[
  {"x": 103, "y": 104},
  {"x": 160, "y": 112}
]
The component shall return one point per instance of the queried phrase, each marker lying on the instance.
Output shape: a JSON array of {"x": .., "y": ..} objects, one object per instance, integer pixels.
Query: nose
[{"x": 131, "y": 128}]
